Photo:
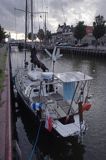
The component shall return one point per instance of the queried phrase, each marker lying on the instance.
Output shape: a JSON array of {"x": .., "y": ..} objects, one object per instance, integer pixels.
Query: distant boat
[{"x": 20, "y": 46}]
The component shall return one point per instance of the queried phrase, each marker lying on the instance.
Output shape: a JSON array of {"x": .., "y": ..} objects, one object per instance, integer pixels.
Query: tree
[
  {"x": 80, "y": 30},
  {"x": 2, "y": 34},
  {"x": 30, "y": 36},
  {"x": 99, "y": 27},
  {"x": 40, "y": 34}
]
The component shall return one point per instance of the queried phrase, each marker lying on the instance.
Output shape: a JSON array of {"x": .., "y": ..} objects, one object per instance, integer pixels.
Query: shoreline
[
  {"x": 3, "y": 57},
  {"x": 5, "y": 108}
]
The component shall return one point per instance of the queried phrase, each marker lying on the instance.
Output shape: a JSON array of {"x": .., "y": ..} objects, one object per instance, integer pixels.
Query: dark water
[{"x": 51, "y": 148}]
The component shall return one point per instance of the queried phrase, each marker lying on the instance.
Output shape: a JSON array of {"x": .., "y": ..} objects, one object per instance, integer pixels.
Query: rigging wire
[
  {"x": 46, "y": 10},
  {"x": 43, "y": 21},
  {"x": 64, "y": 17},
  {"x": 35, "y": 17},
  {"x": 26, "y": 9},
  {"x": 15, "y": 22},
  {"x": 28, "y": 21},
  {"x": 42, "y": 5},
  {"x": 38, "y": 21},
  {"x": 41, "y": 14}
]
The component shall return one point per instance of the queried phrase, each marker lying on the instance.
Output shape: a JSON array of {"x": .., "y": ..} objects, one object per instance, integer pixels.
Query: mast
[
  {"x": 45, "y": 24},
  {"x": 25, "y": 29},
  {"x": 32, "y": 21}
]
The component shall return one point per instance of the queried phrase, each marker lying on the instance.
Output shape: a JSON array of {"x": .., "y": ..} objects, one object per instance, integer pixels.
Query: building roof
[{"x": 89, "y": 29}]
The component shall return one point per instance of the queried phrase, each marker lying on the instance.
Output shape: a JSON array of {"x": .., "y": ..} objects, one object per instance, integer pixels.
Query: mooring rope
[{"x": 35, "y": 144}]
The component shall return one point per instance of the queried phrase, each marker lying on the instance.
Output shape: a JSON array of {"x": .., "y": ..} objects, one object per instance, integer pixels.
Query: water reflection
[
  {"x": 95, "y": 138},
  {"x": 48, "y": 147}
]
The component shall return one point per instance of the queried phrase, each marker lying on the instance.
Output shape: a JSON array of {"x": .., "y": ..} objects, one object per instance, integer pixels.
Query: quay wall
[
  {"x": 5, "y": 117},
  {"x": 84, "y": 51}
]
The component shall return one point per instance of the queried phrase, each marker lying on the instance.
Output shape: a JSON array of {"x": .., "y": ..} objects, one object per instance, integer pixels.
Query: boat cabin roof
[{"x": 72, "y": 77}]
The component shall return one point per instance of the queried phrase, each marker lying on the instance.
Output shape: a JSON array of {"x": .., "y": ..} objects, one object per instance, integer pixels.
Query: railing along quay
[
  {"x": 9, "y": 148},
  {"x": 15, "y": 149},
  {"x": 87, "y": 51},
  {"x": 84, "y": 51}
]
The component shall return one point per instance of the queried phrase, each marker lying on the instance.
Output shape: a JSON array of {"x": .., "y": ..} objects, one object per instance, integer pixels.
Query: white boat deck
[
  {"x": 70, "y": 129},
  {"x": 57, "y": 103}
]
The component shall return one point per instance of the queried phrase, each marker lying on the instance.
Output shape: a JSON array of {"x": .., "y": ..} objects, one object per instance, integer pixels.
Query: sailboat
[{"x": 58, "y": 100}]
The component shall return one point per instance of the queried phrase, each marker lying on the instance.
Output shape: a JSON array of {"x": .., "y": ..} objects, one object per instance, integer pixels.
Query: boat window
[
  {"x": 49, "y": 88},
  {"x": 35, "y": 90}
]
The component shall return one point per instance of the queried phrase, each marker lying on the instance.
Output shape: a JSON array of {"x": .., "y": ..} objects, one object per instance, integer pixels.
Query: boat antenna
[
  {"x": 55, "y": 55},
  {"x": 26, "y": 8}
]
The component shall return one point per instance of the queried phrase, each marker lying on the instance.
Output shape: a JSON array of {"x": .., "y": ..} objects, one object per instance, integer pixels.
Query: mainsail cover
[{"x": 36, "y": 61}]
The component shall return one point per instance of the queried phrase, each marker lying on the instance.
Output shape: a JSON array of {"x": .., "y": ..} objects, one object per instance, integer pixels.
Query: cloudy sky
[{"x": 59, "y": 11}]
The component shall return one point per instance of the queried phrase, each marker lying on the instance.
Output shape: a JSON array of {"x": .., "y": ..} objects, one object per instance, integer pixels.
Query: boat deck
[{"x": 59, "y": 104}]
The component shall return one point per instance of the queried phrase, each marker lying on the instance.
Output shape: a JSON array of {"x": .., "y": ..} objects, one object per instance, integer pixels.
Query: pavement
[{"x": 3, "y": 104}]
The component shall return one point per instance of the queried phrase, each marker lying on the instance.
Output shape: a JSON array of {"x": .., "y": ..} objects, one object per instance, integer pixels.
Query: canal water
[{"x": 52, "y": 148}]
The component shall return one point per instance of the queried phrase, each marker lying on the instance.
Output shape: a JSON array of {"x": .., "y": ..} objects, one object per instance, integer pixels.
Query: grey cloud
[
  {"x": 101, "y": 8},
  {"x": 9, "y": 5},
  {"x": 59, "y": 11}
]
